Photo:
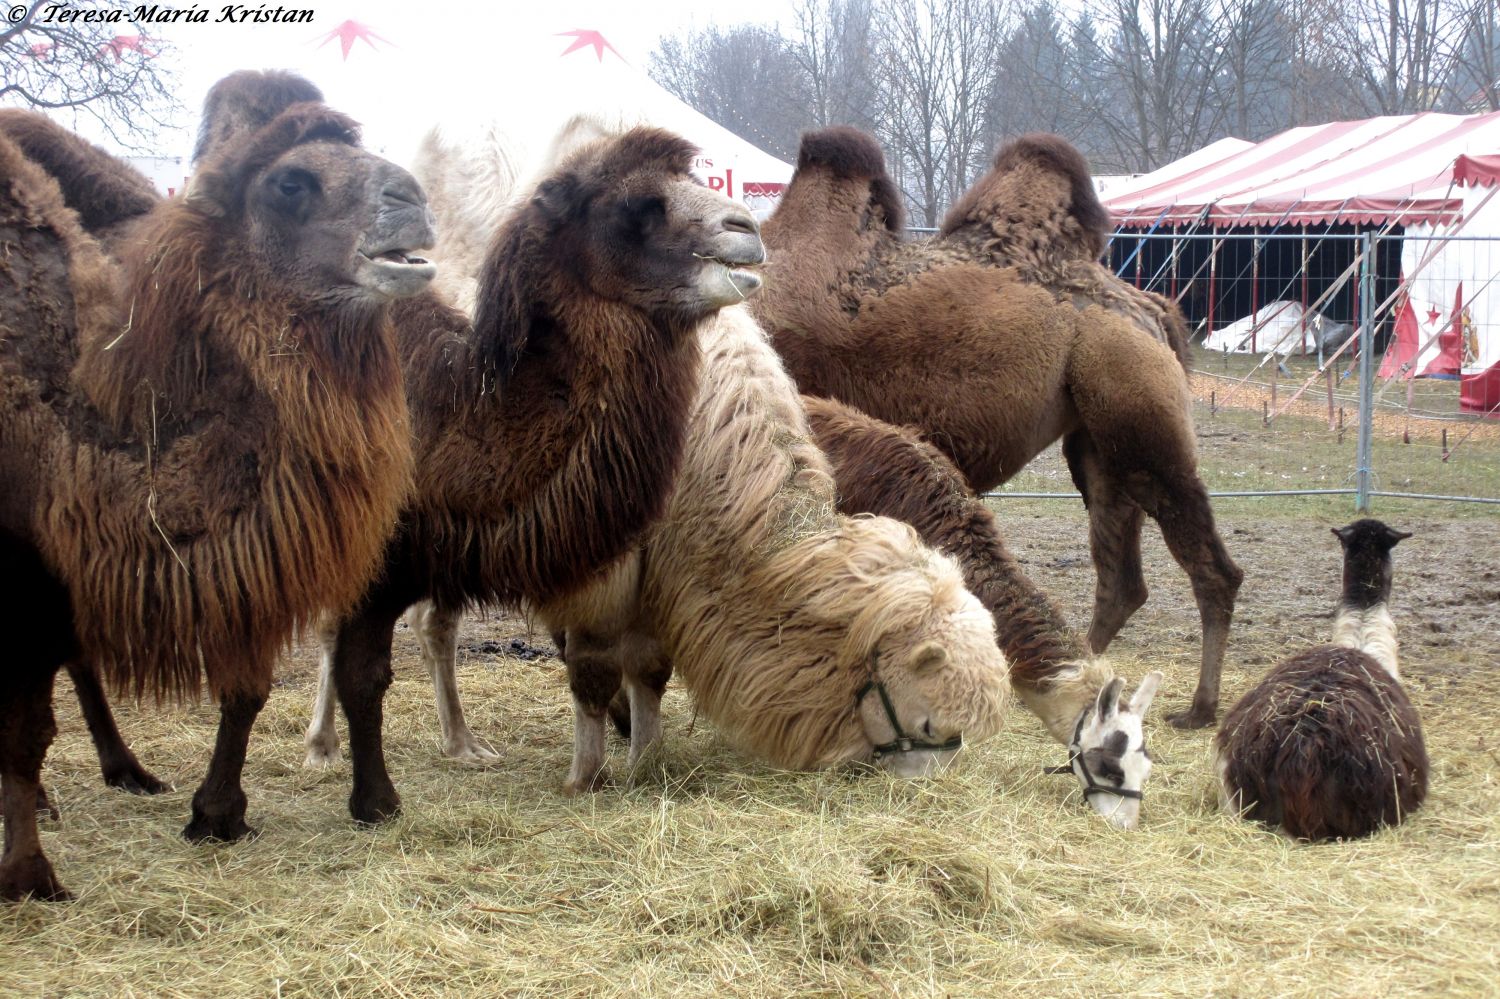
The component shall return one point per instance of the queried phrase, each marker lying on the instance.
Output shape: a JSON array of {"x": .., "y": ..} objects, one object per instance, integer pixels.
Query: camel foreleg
[
  {"x": 27, "y": 728},
  {"x": 219, "y": 803},
  {"x": 362, "y": 674},
  {"x": 117, "y": 763}
]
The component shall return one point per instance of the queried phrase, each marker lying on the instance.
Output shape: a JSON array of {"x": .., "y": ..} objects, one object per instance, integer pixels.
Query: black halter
[
  {"x": 903, "y": 743},
  {"x": 1076, "y": 766}
]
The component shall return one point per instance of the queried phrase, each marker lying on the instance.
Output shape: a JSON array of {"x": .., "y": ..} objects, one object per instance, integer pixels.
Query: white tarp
[{"x": 1282, "y": 327}]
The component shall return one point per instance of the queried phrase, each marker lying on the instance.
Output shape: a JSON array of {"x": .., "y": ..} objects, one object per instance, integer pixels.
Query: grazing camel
[
  {"x": 550, "y": 434},
  {"x": 1328, "y": 745},
  {"x": 200, "y": 456},
  {"x": 809, "y": 638},
  {"x": 996, "y": 338}
]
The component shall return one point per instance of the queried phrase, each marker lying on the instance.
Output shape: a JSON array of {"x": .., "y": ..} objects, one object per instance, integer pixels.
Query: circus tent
[{"x": 1425, "y": 180}]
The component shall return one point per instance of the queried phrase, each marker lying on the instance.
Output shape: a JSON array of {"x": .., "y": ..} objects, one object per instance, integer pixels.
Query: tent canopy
[{"x": 1392, "y": 169}]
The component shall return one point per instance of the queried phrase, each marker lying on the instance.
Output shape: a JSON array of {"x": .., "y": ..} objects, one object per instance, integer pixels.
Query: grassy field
[{"x": 709, "y": 874}]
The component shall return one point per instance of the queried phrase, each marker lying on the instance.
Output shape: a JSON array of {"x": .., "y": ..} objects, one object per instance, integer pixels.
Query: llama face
[
  {"x": 1108, "y": 751},
  {"x": 326, "y": 220},
  {"x": 945, "y": 682}
]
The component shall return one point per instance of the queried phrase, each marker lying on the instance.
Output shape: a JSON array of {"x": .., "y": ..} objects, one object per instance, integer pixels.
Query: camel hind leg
[
  {"x": 1114, "y": 543},
  {"x": 1132, "y": 398},
  {"x": 436, "y": 629},
  {"x": 27, "y": 728}
]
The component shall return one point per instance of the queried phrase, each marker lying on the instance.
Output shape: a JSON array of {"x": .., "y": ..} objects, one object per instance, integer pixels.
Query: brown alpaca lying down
[
  {"x": 187, "y": 489},
  {"x": 1328, "y": 745},
  {"x": 997, "y": 337}
]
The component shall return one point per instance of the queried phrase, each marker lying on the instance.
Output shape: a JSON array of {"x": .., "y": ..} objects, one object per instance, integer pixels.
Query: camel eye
[
  {"x": 927, "y": 728},
  {"x": 292, "y": 188}
]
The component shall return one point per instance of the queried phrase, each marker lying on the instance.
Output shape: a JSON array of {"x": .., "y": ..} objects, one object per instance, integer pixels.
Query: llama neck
[{"x": 1372, "y": 631}]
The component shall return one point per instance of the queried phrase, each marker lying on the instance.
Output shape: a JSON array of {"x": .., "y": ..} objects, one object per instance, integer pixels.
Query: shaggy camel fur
[
  {"x": 548, "y": 438},
  {"x": 107, "y": 193},
  {"x": 1328, "y": 745},
  {"x": 779, "y": 613},
  {"x": 890, "y": 471},
  {"x": 193, "y": 473},
  {"x": 995, "y": 339}
]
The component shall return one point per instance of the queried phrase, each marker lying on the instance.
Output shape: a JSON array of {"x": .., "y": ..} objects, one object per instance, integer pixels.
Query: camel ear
[
  {"x": 207, "y": 194},
  {"x": 1109, "y": 698},
  {"x": 1141, "y": 699},
  {"x": 929, "y": 657},
  {"x": 556, "y": 196}
]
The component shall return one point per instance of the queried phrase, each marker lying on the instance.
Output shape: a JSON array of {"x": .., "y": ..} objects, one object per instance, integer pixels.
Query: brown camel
[
  {"x": 995, "y": 339},
  {"x": 550, "y": 435},
  {"x": 201, "y": 453}
]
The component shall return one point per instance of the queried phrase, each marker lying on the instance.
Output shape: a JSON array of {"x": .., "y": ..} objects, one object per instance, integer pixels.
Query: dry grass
[{"x": 711, "y": 875}]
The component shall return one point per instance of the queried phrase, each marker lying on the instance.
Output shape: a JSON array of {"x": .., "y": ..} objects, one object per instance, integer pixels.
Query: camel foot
[
  {"x": 216, "y": 828},
  {"x": 31, "y": 877},
  {"x": 1192, "y": 718},
  {"x": 321, "y": 757},
  {"x": 135, "y": 779},
  {"x": 579, "y": 785},
  {"x": 373, "y": 808},
  {"x": 45, "y": 805},
  {"x": 471, "y": 750}
]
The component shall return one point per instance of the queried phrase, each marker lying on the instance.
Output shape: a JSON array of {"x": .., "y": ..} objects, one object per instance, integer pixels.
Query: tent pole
[
  {"x": 1213, "y": 281},
  {"x": 1366, "y": 386}
]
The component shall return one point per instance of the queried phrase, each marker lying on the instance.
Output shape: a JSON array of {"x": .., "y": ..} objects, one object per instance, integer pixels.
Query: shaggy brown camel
[
  {"x": 1328, "y": 745},
  {"x": 549, "y": 436},
  {"x": 995, "y": 339},
  {"x": 201, "y": 456}
]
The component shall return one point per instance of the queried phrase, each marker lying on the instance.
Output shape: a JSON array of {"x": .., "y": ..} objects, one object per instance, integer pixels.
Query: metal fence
[{"x": 1316, "y": 322}]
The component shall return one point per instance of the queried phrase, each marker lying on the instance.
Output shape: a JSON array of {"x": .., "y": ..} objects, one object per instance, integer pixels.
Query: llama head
[
  {"x": 1108, "y": 751},
  {"x": 1367, "y": 561},
  {"x": 938, "y": 680}
]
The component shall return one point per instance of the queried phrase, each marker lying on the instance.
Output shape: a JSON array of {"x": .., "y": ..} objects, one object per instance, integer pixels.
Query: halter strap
[
  {"x": 903, "y": 743},
  {"x": 1077, "y": 766}
]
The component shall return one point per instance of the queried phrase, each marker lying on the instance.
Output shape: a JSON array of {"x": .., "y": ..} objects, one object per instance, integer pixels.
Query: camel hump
[
  {"x": 846, "y": 151},
  {"x": 103, "y": 189},
  {"x": 1053, "y": 153},
  {"x": 248, "y": 100},
  {"x": 852, "y": 155}
]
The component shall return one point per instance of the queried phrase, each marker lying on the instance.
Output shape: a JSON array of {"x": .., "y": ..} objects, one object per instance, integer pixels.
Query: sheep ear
[
  {"x": 929, "y": 656},
  {"x": 1141, "y": 699},
  {"x": 1109, "y": 698}
]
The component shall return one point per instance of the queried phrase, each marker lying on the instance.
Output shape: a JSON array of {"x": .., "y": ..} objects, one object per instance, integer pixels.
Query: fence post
[{"x": 1366, "y": 374}]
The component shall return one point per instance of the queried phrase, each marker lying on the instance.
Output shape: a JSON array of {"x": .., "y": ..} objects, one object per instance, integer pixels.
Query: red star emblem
[
  {"x": 586, "y": 39},
  {"x": 1433, "y": 315},
  {"x": 120, "y": 44},
  {"x": 348, "y": 33}
]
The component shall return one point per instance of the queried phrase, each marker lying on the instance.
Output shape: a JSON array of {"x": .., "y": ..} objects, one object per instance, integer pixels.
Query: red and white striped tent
[{"x": 1377, "y": 173}]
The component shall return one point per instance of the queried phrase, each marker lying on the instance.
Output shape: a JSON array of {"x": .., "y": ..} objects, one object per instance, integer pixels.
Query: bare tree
[
  {"x": 103, "y": 69},
  {"x": 936, "y": 59},
  {"x": 1475, "y": 62},
  {"x": 831, "y": 43},
  {"x": 1394, "y": 54}
]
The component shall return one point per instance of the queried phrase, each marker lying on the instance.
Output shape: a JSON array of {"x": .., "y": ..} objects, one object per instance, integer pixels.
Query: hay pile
[{"x": 714, "y": 876}]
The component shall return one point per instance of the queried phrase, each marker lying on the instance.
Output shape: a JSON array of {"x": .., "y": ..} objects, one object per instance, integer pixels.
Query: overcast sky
[{"x": 436, "y": 54}]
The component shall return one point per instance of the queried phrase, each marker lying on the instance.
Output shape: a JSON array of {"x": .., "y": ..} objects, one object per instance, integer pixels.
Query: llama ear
[
  {"x": 1342, "y": 533},
  {"x": 1141, "y": 699},
  {"x": 1394, "y": 536},
  {"x": 1109, "y": 698},
  {"x": 930, "y": 656}
]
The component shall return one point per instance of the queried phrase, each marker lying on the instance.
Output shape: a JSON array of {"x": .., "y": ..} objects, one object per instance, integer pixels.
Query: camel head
[
  {"x": 317, "y": 216},
  {"x": 1108, "y": 751},
  {"x": 937, "y": 681},
  {"x": 638, "y": 228}
]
